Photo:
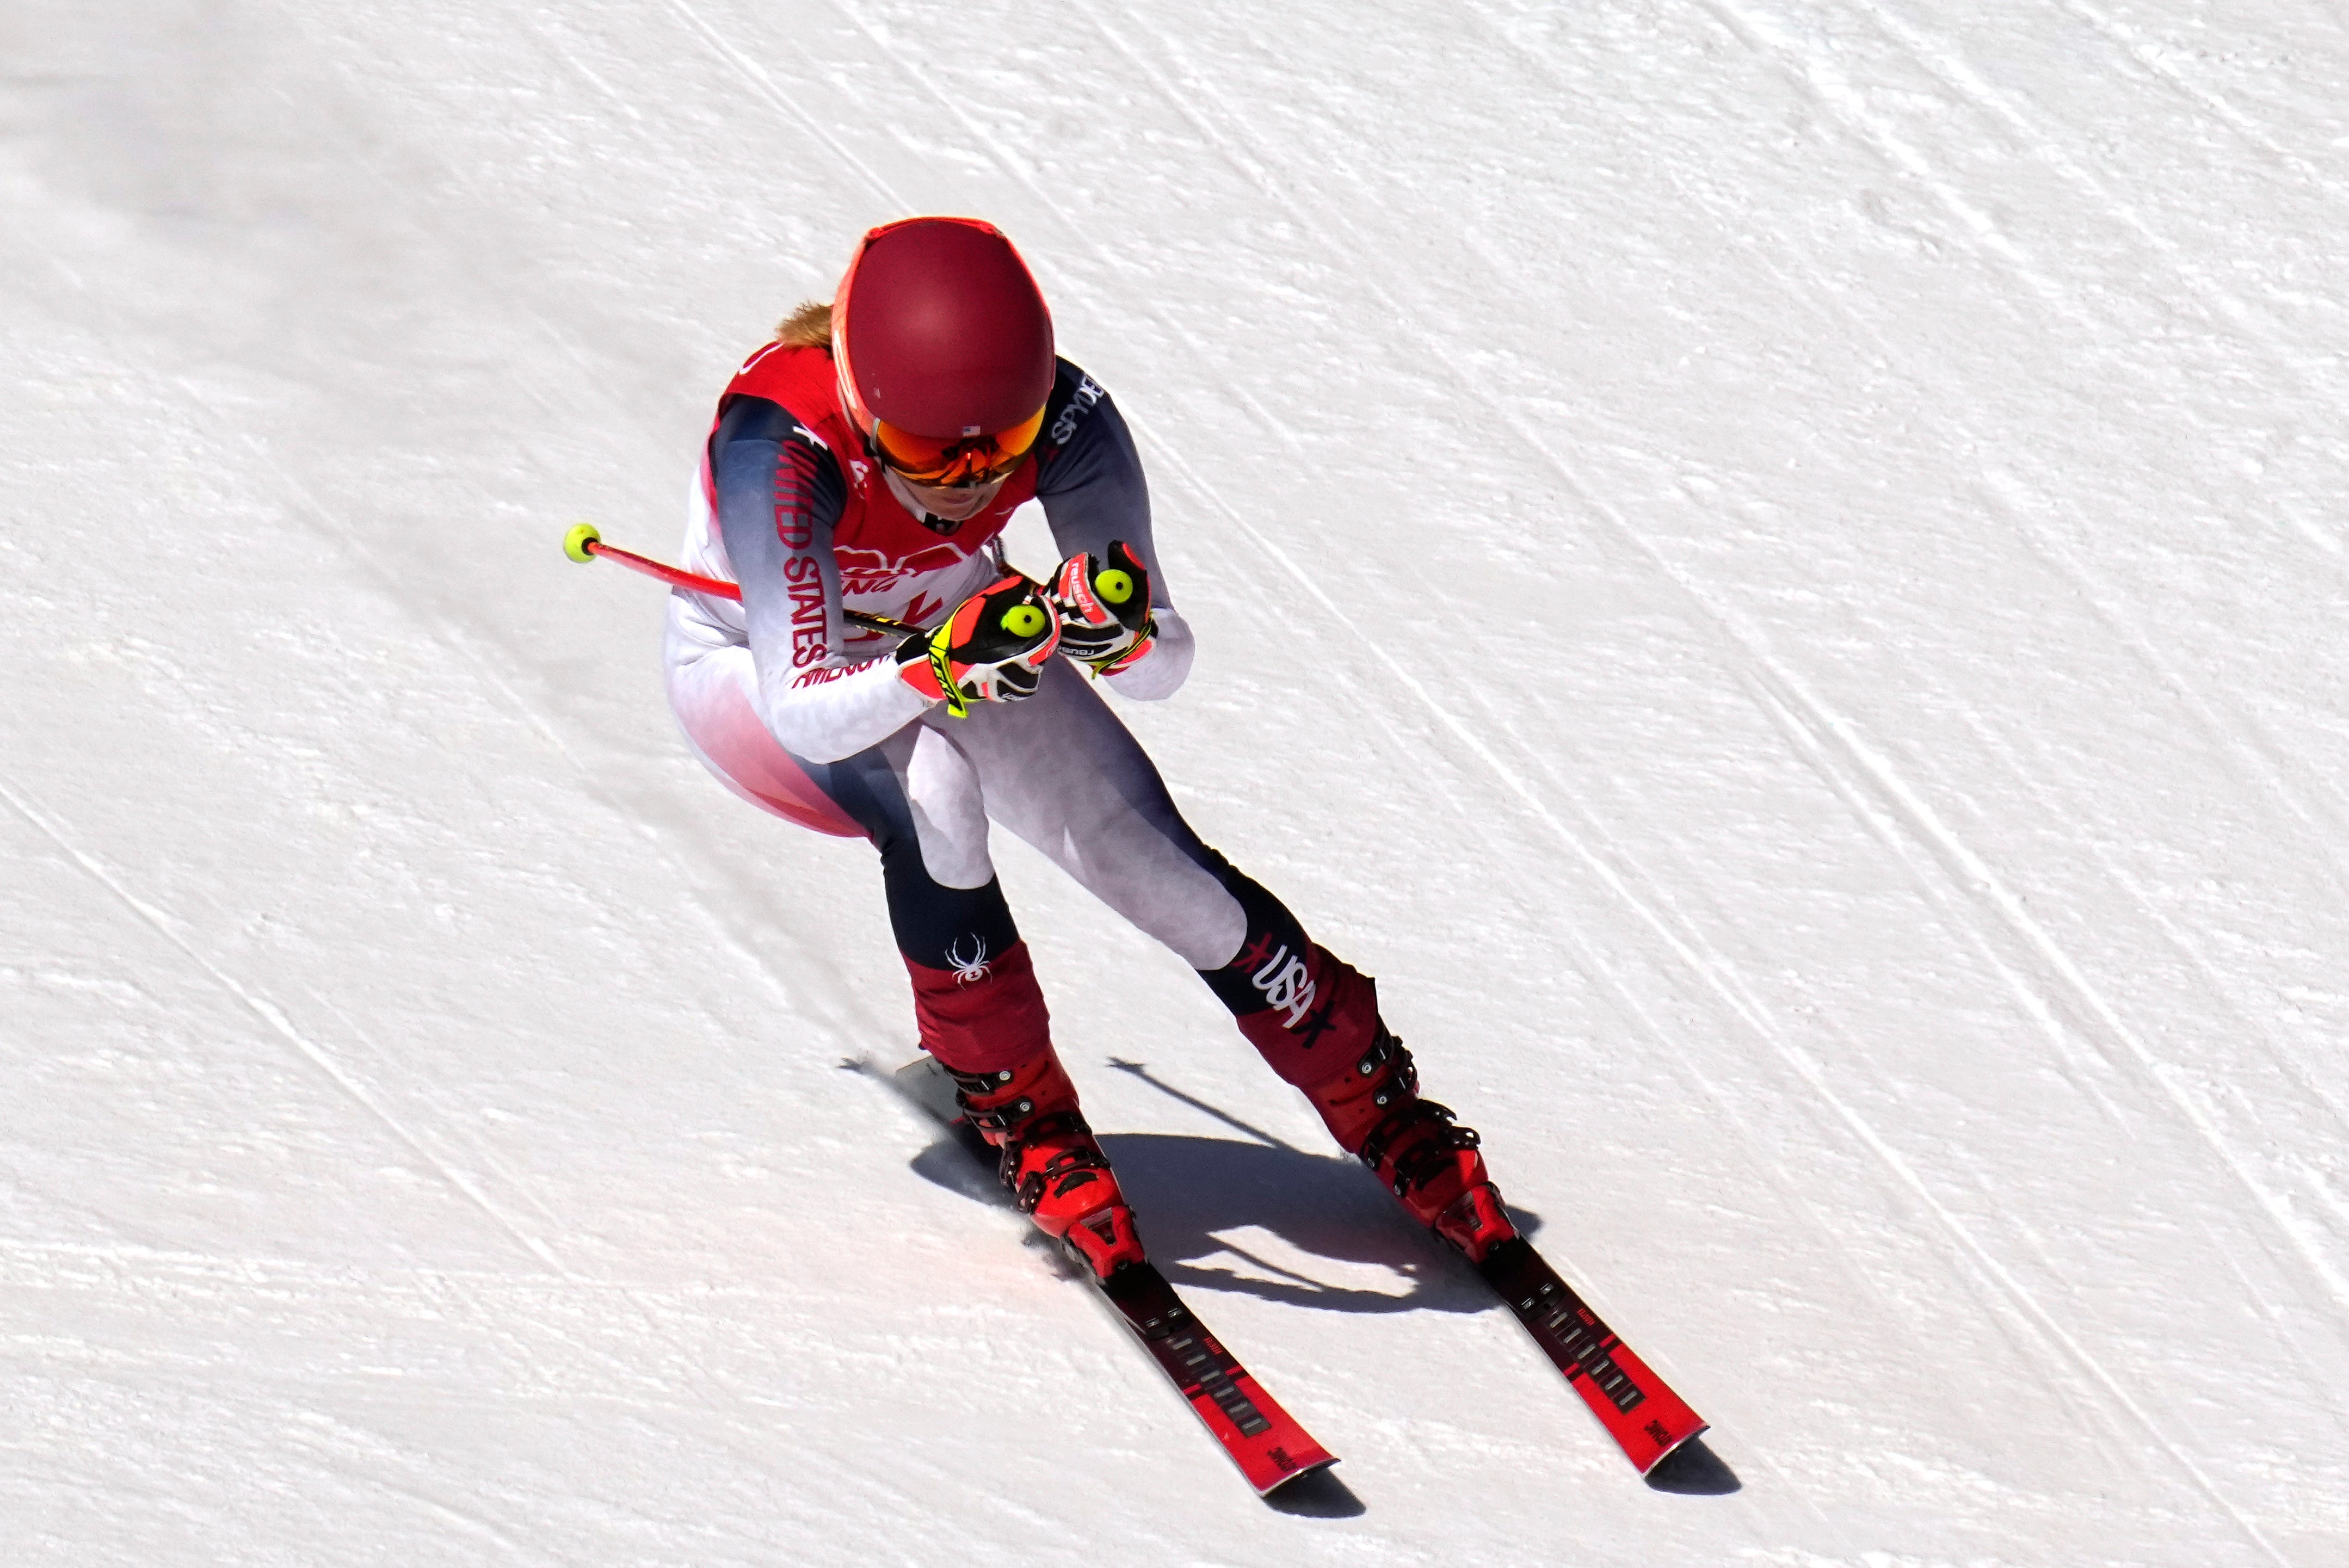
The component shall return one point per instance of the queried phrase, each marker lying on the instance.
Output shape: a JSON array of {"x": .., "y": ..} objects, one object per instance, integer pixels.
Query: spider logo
[{"x": 971, "y": 970}]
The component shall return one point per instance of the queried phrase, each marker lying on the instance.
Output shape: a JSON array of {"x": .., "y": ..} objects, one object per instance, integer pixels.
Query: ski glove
[
  {"x": 1104, "y": 609},
  {"x": 993, "y": 648}
]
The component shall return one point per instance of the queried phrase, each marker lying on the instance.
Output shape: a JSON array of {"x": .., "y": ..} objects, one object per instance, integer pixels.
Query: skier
[{"x": 867, "y": 460}]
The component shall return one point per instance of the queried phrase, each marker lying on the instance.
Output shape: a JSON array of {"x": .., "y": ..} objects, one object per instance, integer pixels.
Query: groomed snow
[{"x": 1774, "y": 569}]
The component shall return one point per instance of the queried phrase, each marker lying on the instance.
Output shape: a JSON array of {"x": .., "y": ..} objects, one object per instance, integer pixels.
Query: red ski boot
[
  {"x": 1056, "y": 1171},
  {"x": 1374, "y": 1111}
]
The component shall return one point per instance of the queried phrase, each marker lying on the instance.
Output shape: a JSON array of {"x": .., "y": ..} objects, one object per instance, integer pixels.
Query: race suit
[{"x": 805, "y": 716}]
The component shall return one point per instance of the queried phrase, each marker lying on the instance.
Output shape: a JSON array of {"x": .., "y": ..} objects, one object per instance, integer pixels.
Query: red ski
[
  {"x": 1637, "y": 1408},
  {"x": 1262, "y": 1438},
  {"x": 1259, "y": 1437}
]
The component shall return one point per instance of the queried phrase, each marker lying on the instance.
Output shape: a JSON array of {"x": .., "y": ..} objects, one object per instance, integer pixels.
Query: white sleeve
[
  {"x": 826, "y": 714},
  {"x": 1160, "y": 673},
  {"x": 822, "y": 711}
]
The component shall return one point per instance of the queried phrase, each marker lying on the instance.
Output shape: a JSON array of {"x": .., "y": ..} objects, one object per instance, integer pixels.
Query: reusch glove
[
  {"x": 1104, "y": 609},
  {"x": 993, "y": 648}
]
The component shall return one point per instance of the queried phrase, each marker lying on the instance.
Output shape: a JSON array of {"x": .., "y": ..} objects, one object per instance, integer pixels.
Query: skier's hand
[
  {"x": 1104, "y": 608},
  {"x": 993, "y": 648}
]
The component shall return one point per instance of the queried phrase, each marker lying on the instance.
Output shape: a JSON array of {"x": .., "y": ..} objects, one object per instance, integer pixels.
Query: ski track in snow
[
  {"x": 1838, "y": 751},
  {"x": 1967, "y": 868},
  {"x": 1967, "y": 965},
  {"x": 274, "y": 1017}
]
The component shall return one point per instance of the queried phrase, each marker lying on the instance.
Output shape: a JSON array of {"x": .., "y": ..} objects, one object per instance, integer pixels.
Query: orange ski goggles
[{"x": 974, "y": 458}]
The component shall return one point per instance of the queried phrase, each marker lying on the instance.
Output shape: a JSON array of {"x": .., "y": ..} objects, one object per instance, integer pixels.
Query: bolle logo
[
  {"x": 1080, "y": 403},
  {"x": 971, "y": 970}
]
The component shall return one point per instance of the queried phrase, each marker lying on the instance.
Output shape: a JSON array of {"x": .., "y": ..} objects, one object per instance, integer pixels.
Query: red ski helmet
[{"x": 944, "y": 348}]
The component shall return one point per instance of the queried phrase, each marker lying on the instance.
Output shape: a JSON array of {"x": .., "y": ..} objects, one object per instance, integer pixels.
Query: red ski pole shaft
[{"x": 583, "y": 544}]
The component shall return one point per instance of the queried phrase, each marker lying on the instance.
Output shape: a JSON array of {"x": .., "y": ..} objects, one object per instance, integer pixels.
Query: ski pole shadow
[
  {"x": 1196, "y": 1198},
  {"x": 1193, "y": 1197},
  {"x": 1198, "y": 1190}
]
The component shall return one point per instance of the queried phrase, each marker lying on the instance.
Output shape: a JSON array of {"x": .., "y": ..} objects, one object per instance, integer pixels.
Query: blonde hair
[{"x": 810, "y": 326}]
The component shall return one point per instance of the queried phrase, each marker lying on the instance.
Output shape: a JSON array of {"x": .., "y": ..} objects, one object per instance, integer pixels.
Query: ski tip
[
  {"x": 1691, "y": 1469},
  {"x": 1314, "y": 1493},
  {"x": 1675, "y": 1446}
]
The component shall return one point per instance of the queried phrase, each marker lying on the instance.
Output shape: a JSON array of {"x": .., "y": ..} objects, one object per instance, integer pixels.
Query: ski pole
[{"x": 584, "y": 542}]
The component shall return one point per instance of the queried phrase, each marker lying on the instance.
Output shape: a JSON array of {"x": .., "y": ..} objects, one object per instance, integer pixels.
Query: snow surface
[{"x": 1774, "y": 568}]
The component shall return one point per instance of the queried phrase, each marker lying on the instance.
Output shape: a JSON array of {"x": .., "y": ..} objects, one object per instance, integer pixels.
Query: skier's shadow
[{"x": 1192, "y": 1195}]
